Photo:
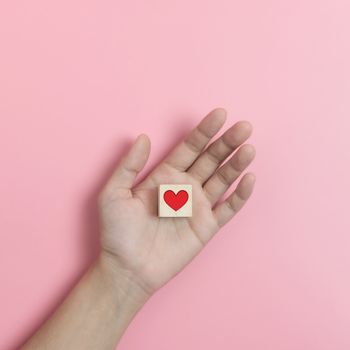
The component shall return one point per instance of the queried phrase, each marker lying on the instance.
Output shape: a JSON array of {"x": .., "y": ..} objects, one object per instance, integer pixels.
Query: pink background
[{"x": 80, "y": 79}]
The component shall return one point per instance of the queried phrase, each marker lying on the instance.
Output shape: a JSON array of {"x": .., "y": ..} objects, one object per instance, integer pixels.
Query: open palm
[{"x": 153, "y": 248}]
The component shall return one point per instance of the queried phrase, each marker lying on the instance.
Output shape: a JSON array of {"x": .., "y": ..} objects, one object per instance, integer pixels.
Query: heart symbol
[{"x": 175, "y": 201}]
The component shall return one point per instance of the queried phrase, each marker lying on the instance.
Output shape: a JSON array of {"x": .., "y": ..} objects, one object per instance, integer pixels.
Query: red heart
[{"x": 175, "y": 201}]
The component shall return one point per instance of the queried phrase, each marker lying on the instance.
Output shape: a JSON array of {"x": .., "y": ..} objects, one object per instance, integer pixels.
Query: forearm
[{"x": 95, "y": 313}]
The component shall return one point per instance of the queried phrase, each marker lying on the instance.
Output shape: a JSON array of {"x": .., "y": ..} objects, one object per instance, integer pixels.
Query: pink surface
[{"x": 80, "y": 79}]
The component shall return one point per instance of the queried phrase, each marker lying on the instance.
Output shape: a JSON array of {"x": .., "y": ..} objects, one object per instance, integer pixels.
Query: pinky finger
[{"x": 226, "y": 210}]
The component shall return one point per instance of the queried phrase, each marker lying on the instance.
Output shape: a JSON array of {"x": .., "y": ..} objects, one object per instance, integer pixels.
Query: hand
[{"x": 150, "y": 249}]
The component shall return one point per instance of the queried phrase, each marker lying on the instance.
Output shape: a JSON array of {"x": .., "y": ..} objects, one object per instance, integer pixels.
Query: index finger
[{"x": 188, "y": 150}]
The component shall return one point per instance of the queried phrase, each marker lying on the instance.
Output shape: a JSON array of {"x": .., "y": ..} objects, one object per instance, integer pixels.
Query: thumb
[{"x": 130, "y": 165}]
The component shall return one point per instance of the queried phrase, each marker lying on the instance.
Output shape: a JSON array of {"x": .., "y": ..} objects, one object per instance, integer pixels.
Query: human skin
[{"x": 140, "y": 252}]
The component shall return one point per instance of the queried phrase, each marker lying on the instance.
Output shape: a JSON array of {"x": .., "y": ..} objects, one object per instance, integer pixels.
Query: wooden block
[{"x": 175, "y": 200}]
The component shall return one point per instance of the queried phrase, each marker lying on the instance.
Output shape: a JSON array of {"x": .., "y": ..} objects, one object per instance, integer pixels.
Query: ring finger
[{"x": 222, "y": 179}]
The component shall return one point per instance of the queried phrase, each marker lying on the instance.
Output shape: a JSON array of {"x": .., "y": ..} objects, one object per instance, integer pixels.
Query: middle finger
[{"x": 219, "y": 150}]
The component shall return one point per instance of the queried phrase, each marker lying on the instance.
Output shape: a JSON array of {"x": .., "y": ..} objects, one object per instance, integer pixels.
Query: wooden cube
[{"x": 175, "y": 200}]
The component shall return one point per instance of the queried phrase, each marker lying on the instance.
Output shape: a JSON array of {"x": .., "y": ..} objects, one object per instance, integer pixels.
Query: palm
[{"x": 156, "y": 248}]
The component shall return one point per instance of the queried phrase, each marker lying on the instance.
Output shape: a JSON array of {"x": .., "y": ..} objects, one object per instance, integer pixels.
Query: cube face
[{"x": 175, "y": 200}]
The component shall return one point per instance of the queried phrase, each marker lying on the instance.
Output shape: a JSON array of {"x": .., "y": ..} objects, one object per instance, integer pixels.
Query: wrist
[{"x": 122, "y": 281}]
